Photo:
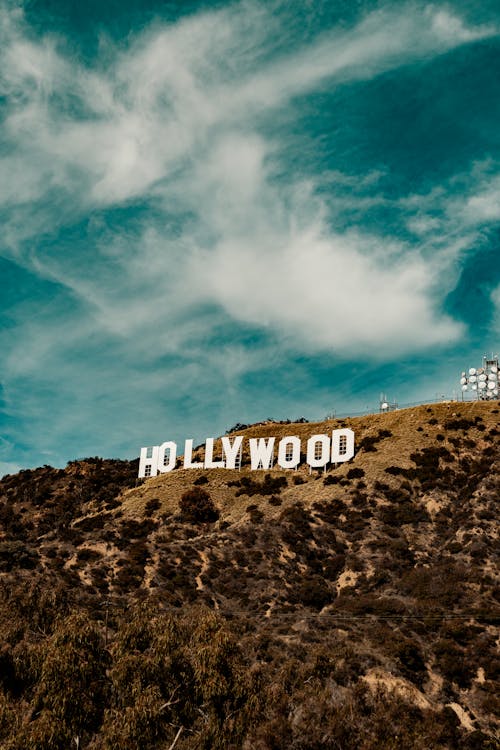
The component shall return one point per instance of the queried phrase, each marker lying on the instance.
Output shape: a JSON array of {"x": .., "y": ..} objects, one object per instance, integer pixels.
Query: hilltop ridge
[
  {"x": 358, "y": 606},
  {"x": 380, "y": 440}
]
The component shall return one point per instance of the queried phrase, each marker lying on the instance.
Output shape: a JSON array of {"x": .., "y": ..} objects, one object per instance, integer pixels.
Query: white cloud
[
  {"x": 451, "y": 219},
  {"x": 450, "y": 27},
  {"x": 277, "y": 264},
  {"x": 324, "y": 293},
  {"x": 484, "y": 206},
  {"x": 175, "y": 120},
  {"x": 158, "y": 101}
]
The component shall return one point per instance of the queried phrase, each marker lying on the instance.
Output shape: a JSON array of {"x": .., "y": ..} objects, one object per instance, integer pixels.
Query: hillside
[{"x": 356, "y": 608}]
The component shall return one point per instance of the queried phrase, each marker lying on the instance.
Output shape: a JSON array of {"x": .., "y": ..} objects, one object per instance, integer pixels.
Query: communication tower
[
  {"x": 482, "y": 383},
  {"x": 386, "y": 405}
]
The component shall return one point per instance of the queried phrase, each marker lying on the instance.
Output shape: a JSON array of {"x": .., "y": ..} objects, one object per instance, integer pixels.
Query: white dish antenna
[{"x": 484, "y": 380}]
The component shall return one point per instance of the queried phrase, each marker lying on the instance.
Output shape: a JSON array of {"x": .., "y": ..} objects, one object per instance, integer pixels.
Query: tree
[{"x": 197, "y": 506}]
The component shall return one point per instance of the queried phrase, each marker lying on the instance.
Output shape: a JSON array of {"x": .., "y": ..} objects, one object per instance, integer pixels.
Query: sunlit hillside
[{"x": 352, "y": 608}]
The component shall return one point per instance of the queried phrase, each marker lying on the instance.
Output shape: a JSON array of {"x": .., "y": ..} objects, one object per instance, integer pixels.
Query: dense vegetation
[{"x": 365, "y": 619}]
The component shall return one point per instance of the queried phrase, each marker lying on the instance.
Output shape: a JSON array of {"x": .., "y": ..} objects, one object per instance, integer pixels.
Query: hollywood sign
[{"x": 321, "y": 450}]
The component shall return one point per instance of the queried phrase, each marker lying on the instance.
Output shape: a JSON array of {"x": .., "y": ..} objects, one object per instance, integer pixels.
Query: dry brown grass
[
  {"x": 365, "y": 606},
  {"x": 391, "y": 451}
]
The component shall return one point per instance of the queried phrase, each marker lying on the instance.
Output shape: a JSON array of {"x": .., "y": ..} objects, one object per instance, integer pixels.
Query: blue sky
[{"x": 220, "y": 212}]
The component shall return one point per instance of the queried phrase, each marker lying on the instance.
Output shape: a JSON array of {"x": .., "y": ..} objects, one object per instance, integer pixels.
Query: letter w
[{"x": 261, "y": 453}]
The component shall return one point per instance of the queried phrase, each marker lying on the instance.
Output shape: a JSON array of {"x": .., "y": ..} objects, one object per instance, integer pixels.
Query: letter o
[
  {"x": 294, "y": 460},
  {"x": 323, "y": 459},
  {"x": 342, "y": 445},
  {"x": 171, "y": 447}
]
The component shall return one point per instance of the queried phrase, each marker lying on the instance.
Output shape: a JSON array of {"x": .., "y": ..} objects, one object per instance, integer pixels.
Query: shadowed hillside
[{"x": 356, "y": 608}]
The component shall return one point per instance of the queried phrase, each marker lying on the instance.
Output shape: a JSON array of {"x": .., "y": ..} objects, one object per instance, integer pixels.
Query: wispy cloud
[
  {"x": 164, "y": 98},
  {"x": 148, "y": 188}
]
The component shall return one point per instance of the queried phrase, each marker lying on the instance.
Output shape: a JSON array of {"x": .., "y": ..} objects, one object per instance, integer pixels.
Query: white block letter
[
  {"x": 342, "y": 445},
  {"x": 231, "y": 451},
  {"x": 148, "y": 462},
  {"x": 261, "y": 452},
  {"x": 167, "y": 464},
  {"x": 318, "y": 451},
  {"x": 209, "y": 456},
  {"x": 289, "y": 452},
  {"x": 188, "y": 456}
]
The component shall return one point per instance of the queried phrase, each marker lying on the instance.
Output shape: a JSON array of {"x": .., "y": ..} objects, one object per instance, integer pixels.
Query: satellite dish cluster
[
  {"x": 483, "y": 382},
  {"x": 386, "y": 405}
]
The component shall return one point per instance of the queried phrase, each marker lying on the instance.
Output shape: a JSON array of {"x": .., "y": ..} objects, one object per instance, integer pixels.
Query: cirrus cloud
[{"x": 153, "y": 193}]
